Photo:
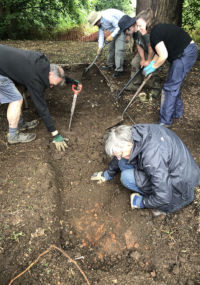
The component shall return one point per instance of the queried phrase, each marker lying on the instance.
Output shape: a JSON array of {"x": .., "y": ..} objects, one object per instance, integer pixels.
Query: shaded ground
[{"x": 47, "y": 197}]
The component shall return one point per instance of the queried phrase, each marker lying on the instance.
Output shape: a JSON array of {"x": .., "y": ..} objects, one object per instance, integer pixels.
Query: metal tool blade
[{"x": 72, "y": 110}]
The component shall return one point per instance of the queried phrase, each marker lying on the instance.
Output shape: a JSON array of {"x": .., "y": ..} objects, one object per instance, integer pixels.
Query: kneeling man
[{"x": 153, "y": 162}]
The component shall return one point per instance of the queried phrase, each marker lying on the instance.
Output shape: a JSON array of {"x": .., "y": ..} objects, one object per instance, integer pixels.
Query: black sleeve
[
  {"x": 69, "y": 80},
  {"x": 155, "y": 37},
  {"x": 113, "y": 167},
  {"x": 37, "y": 96}
]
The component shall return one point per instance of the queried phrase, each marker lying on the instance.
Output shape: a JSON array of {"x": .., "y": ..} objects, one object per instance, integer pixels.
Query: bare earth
[{"x": 89, "y": 231}]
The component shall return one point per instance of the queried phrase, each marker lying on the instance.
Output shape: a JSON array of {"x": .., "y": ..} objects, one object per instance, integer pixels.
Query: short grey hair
[
  {"x": 58, "y": 72},
  {"x": 117, "y": 139}
]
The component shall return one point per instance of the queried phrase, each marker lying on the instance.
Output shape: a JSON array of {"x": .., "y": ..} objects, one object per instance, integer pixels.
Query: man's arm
[
  {"x": 115, "y": 22},
  {"x": 37, "y": 96},
  {"x": 144, "y": 62},
  {"x": 109, "y": 173},
  {"x": 158, "y": 60},
  {"x": 162, "y": 55},
  {"x": 150, "y": 53},
  {"x": 113, "y": 167},
  {"x": 101, "y": 37},
  {"x": 141, "y": 54}
]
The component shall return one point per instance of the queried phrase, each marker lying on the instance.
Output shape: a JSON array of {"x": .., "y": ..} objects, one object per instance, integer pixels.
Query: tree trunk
[{"x": 165, "y": 11}]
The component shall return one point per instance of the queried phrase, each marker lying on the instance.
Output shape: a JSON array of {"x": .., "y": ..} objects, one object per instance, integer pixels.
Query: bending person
[
  {"x": 153, "y": 162},
  {"x": 171, "y": 43},
  {"x": 143, "y": 56},
  {"x": 32, "y": 70},
  {"x": 108, "y": 20}
]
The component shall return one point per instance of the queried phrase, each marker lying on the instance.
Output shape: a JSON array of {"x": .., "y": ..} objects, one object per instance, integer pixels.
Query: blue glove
[
  {"x": 136, "y": 201},
  {"x": 149, "y": 68}
]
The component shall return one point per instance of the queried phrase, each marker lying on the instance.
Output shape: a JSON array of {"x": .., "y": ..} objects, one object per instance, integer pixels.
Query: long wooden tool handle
[{"x": 137, "y": 92}]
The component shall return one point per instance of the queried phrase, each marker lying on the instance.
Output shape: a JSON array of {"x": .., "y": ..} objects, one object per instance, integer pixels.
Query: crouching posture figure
[
  {"x": 34, "y": 71},
  {"x": 155, "y": 163}
]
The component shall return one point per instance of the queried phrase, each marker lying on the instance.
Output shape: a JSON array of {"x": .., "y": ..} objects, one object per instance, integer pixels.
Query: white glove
[{"x": 98, "y": 176}]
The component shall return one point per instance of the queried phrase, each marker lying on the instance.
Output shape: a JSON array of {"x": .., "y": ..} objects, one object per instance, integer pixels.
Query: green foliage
[
  {"x": 191, "y": 12},
  {"x": 123, "y": 5},
  {"x": 28, "y": 19},
  {"x": 194, "y": 33},
  {"x": 42, "y": 19},
  {"x": 23, "y": 19}
]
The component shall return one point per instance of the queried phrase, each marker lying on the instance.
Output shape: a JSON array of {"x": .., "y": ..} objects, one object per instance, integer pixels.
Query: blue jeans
[
  {"x": 127, "y": 175},
  {"x": 171, "y": 102}
]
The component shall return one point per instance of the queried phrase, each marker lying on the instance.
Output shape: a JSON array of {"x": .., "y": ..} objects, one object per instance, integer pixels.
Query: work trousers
[
  {"x": 171, "y": 102},
  {"x": 116, "y": 52}
]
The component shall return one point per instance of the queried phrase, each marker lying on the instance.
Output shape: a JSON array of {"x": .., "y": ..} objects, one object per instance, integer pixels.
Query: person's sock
[{"x": 12, "y": 131}]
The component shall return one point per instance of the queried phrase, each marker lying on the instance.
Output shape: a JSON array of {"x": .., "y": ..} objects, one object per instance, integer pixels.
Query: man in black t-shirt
[{"x": 171, "y": 43}]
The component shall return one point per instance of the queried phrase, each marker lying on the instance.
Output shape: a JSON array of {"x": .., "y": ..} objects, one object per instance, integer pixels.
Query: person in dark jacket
[
  {"x": 32, "y": 70},
  {"x": 171, "y": 43},
  {"x": 153, "y": 162}
]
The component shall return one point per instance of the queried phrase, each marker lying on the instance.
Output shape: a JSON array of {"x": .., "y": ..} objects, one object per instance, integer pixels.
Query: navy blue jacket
[{"x": 164, "y": 169}]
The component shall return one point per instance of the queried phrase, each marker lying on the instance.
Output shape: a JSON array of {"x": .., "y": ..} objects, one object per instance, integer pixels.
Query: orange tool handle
[{"x": 77, "y": 89}]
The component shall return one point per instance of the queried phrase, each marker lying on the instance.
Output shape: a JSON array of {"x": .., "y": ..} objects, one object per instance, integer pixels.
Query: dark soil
[{"x": 47, "y": 197}]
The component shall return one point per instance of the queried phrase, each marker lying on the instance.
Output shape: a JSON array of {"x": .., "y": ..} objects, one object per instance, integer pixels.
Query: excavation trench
[{"x": 48, "y": 198}]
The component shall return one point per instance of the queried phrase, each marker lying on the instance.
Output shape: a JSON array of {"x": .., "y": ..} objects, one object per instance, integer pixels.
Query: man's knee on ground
[{"x": 125, "y": 176}]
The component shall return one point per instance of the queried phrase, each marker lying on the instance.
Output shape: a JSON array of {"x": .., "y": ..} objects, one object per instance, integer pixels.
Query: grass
[{"x": 15, "y": 236}]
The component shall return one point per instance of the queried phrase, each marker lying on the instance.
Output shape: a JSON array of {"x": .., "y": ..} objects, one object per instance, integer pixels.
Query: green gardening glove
[{"x": 60, "y": 142}]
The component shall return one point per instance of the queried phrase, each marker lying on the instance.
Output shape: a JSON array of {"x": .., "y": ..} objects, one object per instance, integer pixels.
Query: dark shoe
[
  {"x": 28, "y": 125},
  {"x": 20, "y": 138},
  {"x": 107, "y": 67},
  {"x": 165, "y": 125},
  {"x": 117, "y": 74}
]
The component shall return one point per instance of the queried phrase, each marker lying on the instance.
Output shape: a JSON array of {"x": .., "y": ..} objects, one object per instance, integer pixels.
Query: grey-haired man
[
  {"x": 32, "y": 70},
  {"x": 154, "y": 163}
]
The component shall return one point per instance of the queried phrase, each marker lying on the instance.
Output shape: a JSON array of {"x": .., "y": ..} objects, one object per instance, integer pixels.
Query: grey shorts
[{"x": 8, "y": 91}]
